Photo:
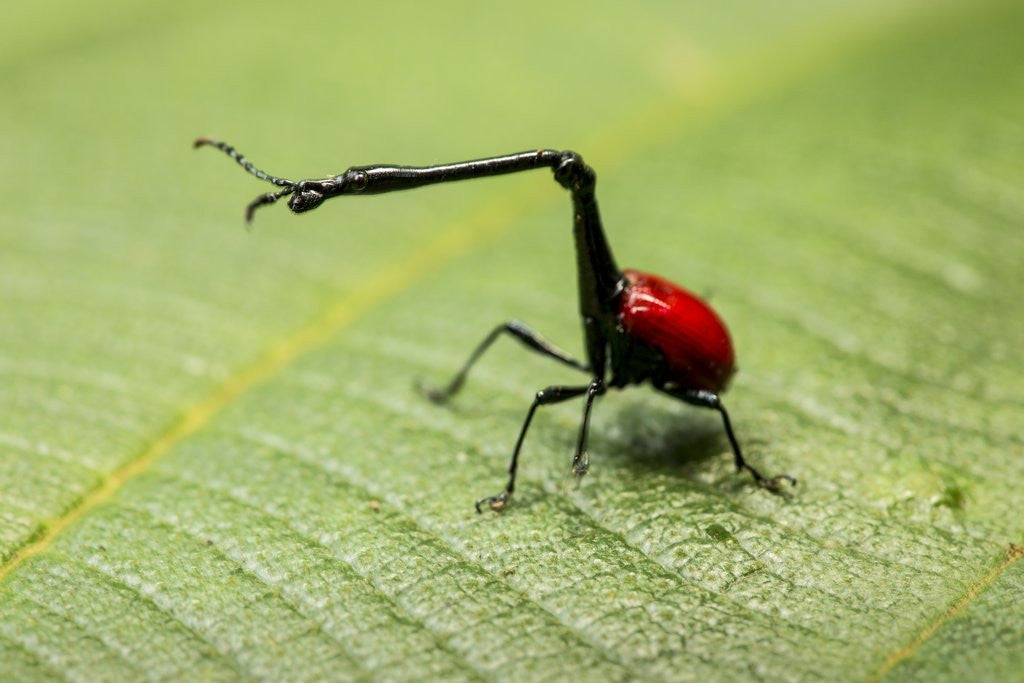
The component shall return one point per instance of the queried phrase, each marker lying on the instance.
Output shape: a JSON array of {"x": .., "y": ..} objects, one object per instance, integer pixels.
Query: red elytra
[{"x": 696, "y": 344}]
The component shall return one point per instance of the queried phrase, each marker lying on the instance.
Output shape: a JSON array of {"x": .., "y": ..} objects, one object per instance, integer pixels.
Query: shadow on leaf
[{"x": 664, "y": 439}]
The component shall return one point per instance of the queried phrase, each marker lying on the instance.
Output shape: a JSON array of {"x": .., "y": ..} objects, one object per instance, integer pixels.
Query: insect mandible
[{"x": 637, "y": 327}]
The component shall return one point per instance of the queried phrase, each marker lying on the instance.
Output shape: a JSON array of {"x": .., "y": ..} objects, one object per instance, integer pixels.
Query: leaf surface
[{"x": 212, "y": 458}]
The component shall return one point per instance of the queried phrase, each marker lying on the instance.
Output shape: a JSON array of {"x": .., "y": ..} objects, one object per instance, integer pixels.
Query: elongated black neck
[
  {"x": 378, "y": 178},
  {"x": 598, "y": 274},
  {"x": 599, "y": 277}
]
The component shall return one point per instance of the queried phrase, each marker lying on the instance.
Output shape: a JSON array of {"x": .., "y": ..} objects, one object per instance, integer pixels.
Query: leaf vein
[
  {"x": 354, "y": 481},
  {"x": 1013, "y": 554},
  {"x": 312, "y": 542}
]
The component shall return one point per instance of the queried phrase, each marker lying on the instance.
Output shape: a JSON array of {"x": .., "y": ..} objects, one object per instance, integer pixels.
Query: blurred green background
[{"x": 212, "y": 460}]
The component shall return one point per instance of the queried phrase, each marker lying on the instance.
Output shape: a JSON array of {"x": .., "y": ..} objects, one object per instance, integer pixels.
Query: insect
[{"x": 637, "y": 327}]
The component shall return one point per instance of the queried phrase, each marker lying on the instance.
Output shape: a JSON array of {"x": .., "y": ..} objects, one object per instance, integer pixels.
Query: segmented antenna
[
  {"x": 242, "y": 161},
  {"x": 263, "y": 199}
]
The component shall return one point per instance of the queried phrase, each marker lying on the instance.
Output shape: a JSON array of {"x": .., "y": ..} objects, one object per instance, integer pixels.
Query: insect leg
[
  {"x": 547, "y": 396},
  {"x": 708, "y": 399},
  {"x": 580, "y": 461},
  {"x": 520, "y": 331}
]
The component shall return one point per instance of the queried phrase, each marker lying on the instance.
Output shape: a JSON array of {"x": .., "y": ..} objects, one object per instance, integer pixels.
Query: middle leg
[
  {"x": 580, "y": 460},
  {"x": 544, "y": 397}
]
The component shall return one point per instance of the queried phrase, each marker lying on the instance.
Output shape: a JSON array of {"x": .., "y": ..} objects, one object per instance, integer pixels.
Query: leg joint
[
  {"x": 556, "y": 394},
  {"x": 572, "y": 174},
  {"x": 698, "y": 397}
]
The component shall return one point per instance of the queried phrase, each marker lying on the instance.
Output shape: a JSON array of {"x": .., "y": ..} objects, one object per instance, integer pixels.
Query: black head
[{"x": 307, "y": 195}]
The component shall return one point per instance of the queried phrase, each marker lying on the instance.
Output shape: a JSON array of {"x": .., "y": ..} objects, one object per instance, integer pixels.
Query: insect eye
[{"x": 357, "y": 181}]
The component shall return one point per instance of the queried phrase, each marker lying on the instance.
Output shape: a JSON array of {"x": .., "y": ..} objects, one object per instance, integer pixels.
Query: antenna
[{"x": 264, "y": 199}]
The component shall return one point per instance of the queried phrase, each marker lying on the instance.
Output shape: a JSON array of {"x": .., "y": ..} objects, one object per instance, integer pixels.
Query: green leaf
[{"x": 213, "y": 462}]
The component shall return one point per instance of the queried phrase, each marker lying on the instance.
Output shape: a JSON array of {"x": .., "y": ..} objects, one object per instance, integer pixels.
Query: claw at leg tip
[
  {"x": 432, "y": 394},
  {"x": 496, "y": 503},
  {"x": 775, "y": 482}
]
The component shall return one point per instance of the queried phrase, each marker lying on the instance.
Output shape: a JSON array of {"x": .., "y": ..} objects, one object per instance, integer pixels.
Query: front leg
[{"x": 519, "y": 331}]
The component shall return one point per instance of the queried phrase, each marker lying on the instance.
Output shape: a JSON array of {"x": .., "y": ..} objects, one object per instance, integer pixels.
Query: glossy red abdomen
[{"x": 696, "y": 345}]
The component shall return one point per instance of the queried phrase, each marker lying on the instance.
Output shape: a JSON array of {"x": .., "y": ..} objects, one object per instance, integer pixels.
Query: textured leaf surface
[{"x": 212, "y": 459}]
